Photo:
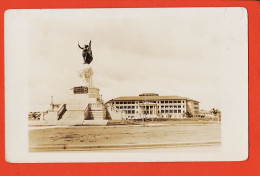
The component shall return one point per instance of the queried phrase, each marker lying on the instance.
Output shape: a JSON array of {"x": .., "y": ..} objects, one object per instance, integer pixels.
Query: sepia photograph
[{"x": 154, "y": 84}]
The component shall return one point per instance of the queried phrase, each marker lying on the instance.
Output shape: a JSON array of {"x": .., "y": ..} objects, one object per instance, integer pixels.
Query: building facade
[{"x": 155, "y": 106}]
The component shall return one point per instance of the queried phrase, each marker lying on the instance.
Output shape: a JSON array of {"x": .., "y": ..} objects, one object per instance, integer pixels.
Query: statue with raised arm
[{"x": 87, "y": 53}]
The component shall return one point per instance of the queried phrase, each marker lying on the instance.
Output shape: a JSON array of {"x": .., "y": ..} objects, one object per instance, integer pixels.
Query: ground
[{"x": 158, "y": 135}]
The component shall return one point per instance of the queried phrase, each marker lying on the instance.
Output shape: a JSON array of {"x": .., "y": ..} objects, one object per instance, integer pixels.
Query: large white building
[{"x": 153, "y": 105}]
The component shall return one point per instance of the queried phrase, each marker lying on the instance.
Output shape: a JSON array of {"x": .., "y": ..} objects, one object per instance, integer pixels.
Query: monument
[{"x": 85, "y": 105}]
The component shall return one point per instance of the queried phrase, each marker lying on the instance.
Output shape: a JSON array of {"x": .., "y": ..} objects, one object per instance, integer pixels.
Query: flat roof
[
  {"x": 139, "y": 98},
  {"x": 148, "y": 94}
]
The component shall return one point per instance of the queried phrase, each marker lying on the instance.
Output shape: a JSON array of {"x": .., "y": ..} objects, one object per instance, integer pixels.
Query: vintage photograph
[{"x": 131, "y": 80}]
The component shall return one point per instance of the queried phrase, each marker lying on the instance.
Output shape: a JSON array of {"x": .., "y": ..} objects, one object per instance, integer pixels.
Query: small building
[
  {"x": 210, "y": 114},
  {"x": 153, "y": 105},
  {"x": 205, "y": 114}
]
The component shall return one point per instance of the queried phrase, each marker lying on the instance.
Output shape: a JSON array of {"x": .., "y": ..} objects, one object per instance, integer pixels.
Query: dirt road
[{"x": 157, "y": 135}]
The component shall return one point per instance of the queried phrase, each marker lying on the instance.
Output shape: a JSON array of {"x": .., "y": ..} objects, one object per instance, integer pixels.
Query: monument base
[{"x": 82, "y": 96}]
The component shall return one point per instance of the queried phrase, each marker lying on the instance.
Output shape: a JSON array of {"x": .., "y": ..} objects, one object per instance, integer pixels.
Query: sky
[{"x": 178, "y": 51}]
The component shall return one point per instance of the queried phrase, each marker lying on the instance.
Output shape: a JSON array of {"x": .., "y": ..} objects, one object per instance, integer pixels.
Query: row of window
[
  {"x": 125, "y": 102},
  {"x": 196, "y": 112},
  {"x": 172, "y": 101},
  {"x": 126, "y": 107},
  {"x": 162, "y": 111},
  {"x": 130, "y": 112},
  {"x": 135, "y": 107},
  {"x": 131, "y": 107},
  {"x": 175, "y": 106},
  {"x": 133, "y": 102},
  {"x": 171, "y": 111}
]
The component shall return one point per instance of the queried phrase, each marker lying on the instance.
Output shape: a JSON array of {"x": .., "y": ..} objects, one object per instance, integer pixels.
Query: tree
[
  {"x": 214, "y": 111},
  {"x": 188, "y": 114}
]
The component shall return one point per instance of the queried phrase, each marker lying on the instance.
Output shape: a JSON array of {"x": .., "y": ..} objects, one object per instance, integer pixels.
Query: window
[
  {"x": 166, "y": 101},
  {"x": 129, "y": 107},
  {"x": 166, "y": 111},
  {"x": 162, "y": 101},
  {"x": 171, "y": 111},
  {"x": 133, "y": 107},
  {"x": 170, "y": 101},
  {"x": 179, "y": 111},
  {"x": 117, "y": 102},
  {"x": 117, "y": 107},
  {"x": 183, "y": 106},
  {"x": 133, "y": 111},
  {"x": 129, "y": 112},
  {"x": 183, "y": 101},
  {"x": 175, "y": 101},
  {"x": 125, "y": 102},
  {"x": 179, "y": 106},
  {"x": 175, "y": 111},
  {"x": 162, "y": 111},
  {"x": 175, "y": 106},
  {"x": 162, "y": 106},
  {"x": 121, "y": 107},
  {"x": 179, "y": 101},
  {"x": 166, "y": 106}
]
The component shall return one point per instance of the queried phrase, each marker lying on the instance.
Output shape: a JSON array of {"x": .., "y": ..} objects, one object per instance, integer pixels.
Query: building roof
[
  {"x": 147, "y": 98},
  {"x": 148, "y": 94},
  {"x": 190, "y": 99}
]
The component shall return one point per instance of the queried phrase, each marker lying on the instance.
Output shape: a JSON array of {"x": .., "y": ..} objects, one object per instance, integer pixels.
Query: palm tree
[{"x": 214, "y": 111}]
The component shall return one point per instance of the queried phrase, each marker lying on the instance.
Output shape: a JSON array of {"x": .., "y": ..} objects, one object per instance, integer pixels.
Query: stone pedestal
[
  {"x": 84, "y": 105},
  {"x": 82, "y": 96}
]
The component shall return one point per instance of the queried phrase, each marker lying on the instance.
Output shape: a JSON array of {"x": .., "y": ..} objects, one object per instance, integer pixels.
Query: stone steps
[
  {"x": 51, "y": 116},
  {"x": 72, "y": 118},
  {"x": 116, "y": 114},
  {"x": 98, "y": 114}
]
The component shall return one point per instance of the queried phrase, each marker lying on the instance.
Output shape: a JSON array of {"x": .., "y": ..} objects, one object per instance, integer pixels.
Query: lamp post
[
  {"x": 143, "y": 120},
  {"x": 144, "y": 109}
]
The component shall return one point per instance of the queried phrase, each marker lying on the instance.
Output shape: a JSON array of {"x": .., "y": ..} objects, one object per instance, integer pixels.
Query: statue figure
[
  {"x": 87, "y": 53},
  {"x": 86, "y": 75}
]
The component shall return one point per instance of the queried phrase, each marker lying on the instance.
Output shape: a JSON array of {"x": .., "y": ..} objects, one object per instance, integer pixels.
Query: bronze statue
[{"x": 87, "y": 53}]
